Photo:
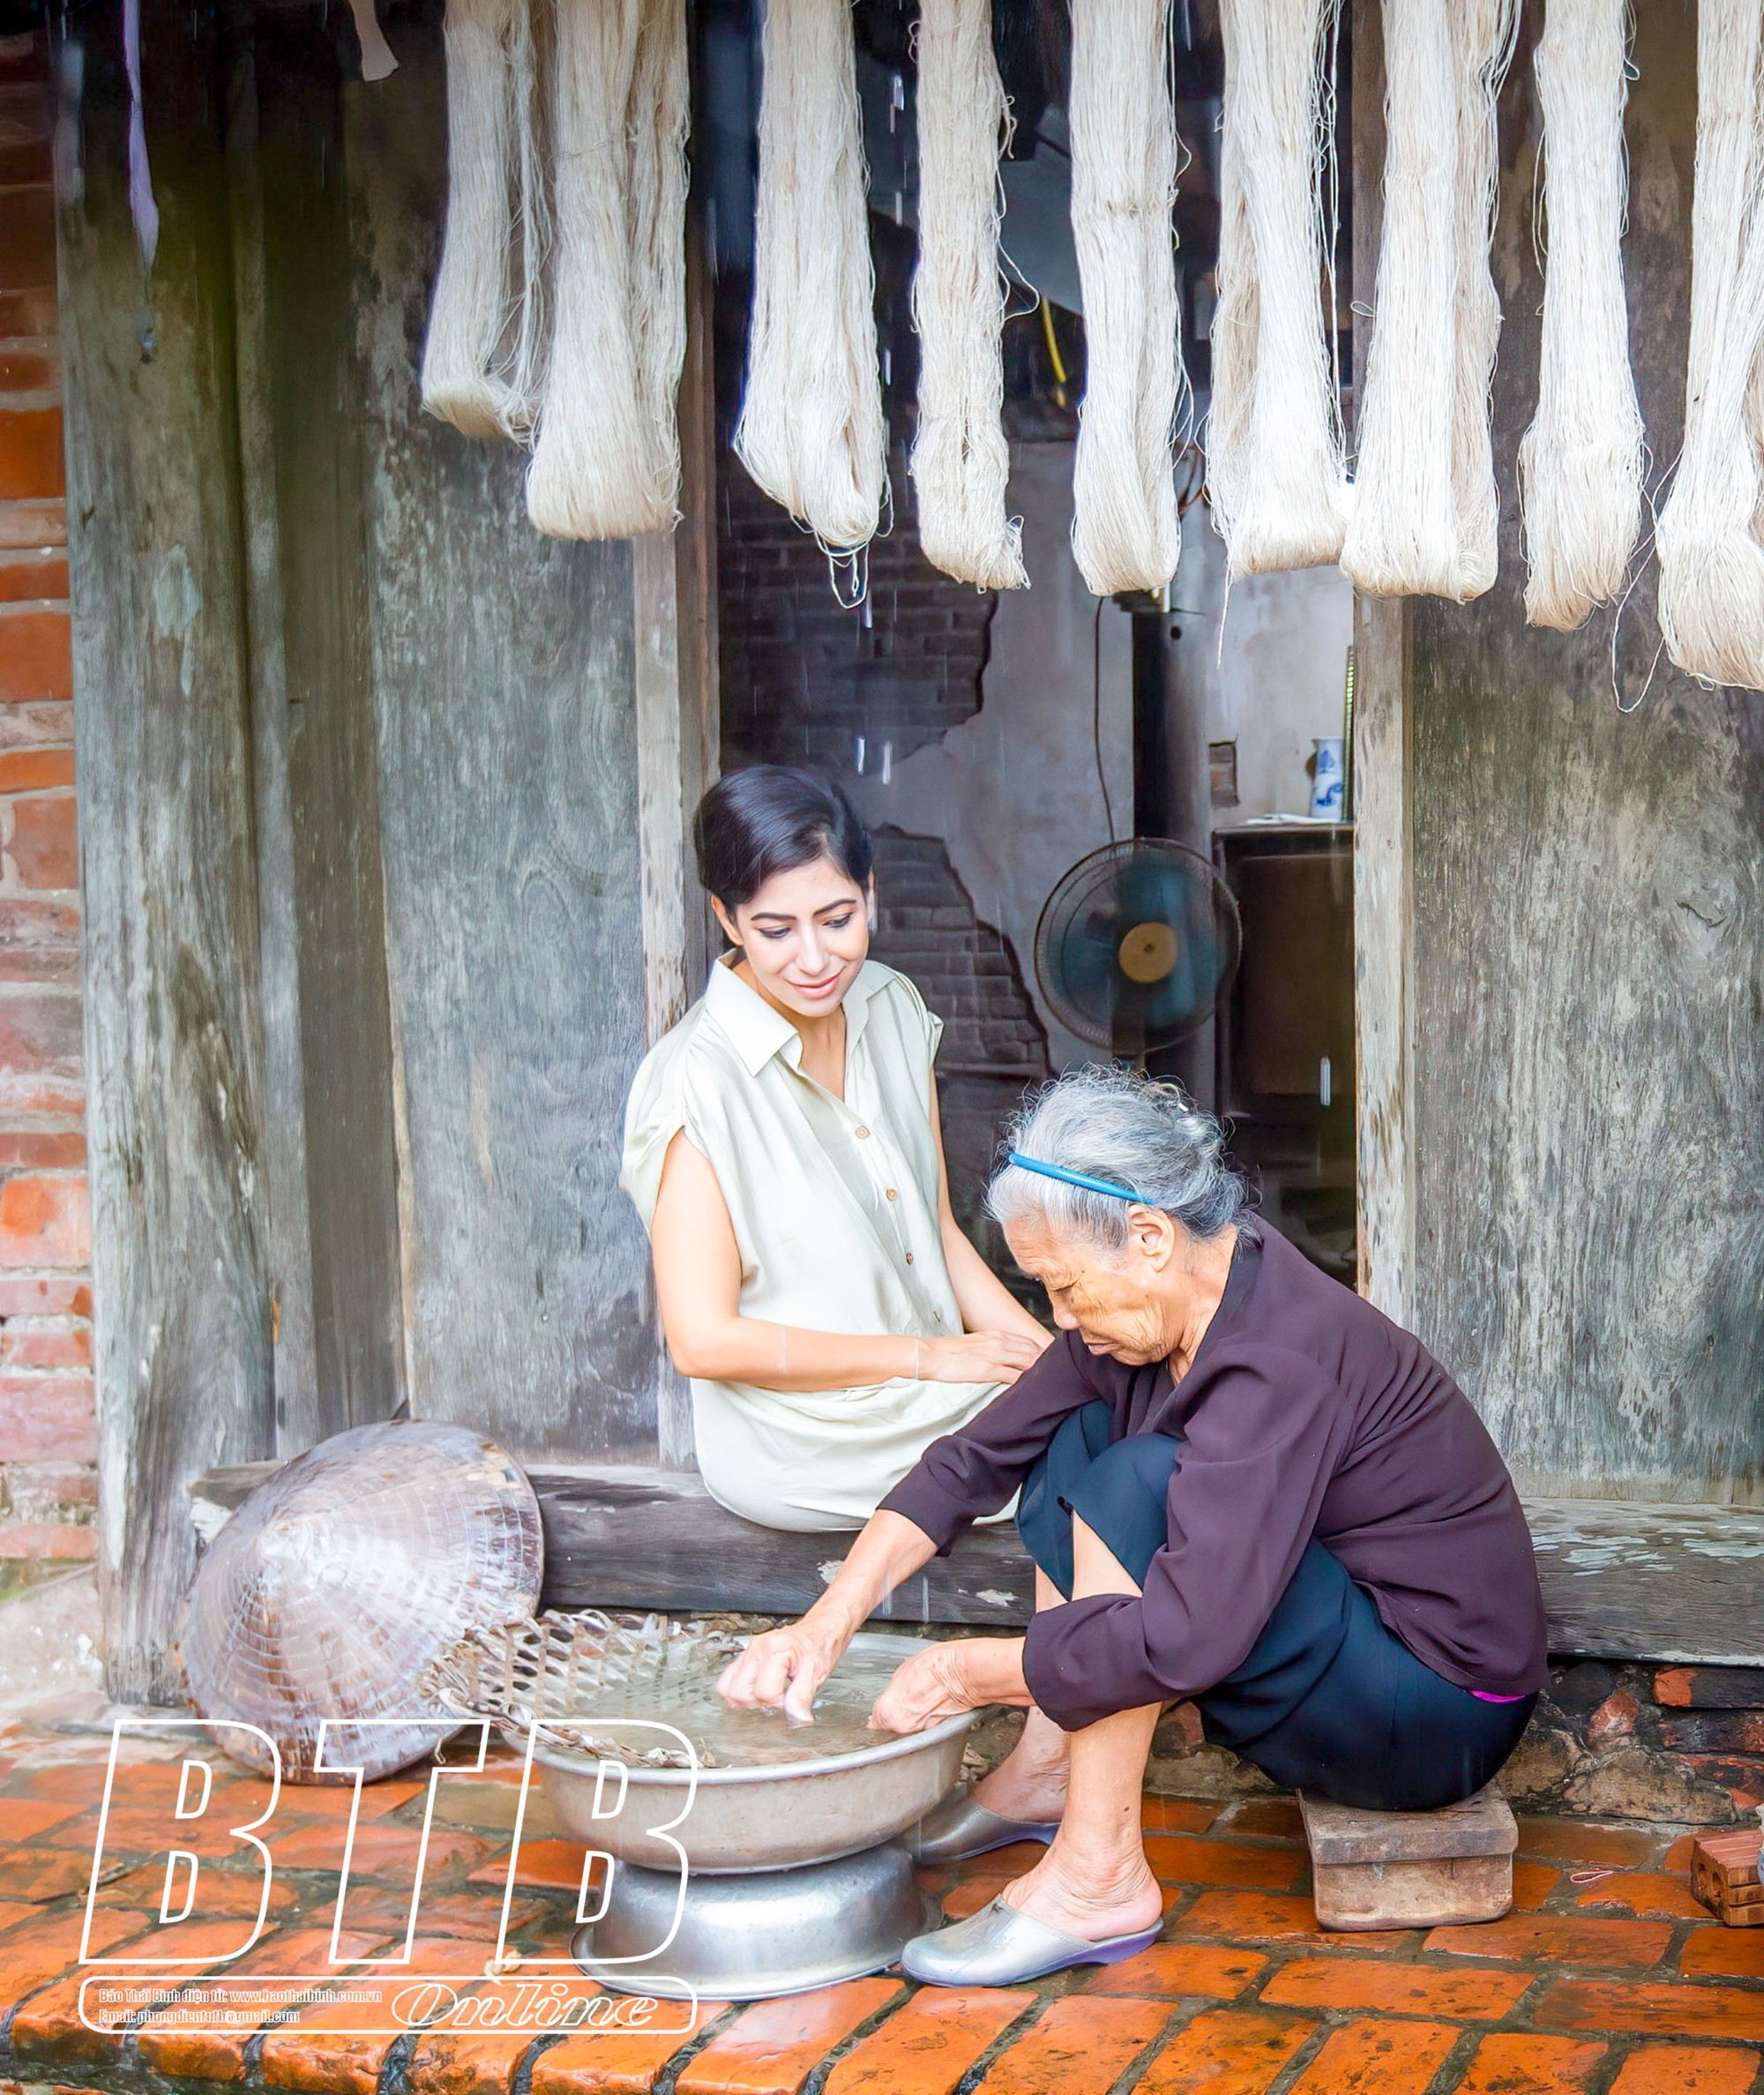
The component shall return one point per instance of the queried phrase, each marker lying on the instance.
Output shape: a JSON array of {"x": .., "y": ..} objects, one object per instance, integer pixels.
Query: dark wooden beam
[
  {"x": 618, "y": 1538},
  {"x": 656, "y": 1539},
  {"x": 316, "y": 404},
  {"x": 300, "y": 1420},
  {"x": 162, "y": 725},
  {"x": 1677, "y": 1585}
]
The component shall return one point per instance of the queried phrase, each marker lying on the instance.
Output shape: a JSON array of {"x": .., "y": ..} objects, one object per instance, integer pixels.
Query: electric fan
[{"x": 1136, "y": 945}]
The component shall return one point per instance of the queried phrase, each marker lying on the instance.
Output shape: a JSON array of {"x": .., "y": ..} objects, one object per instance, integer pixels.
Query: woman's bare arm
[
  {"x": 985, "y": 1302},
  {"x": 698, "y": 1285}
]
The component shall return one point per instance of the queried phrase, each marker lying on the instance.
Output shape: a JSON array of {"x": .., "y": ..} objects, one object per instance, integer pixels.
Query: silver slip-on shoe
[
  {"x": 999, "y": 1946},
  {"x": 957, "y": 1828}
]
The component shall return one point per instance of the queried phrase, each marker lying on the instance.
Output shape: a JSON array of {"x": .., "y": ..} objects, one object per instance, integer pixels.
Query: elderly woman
[{"x": 1241, "y": 1484}]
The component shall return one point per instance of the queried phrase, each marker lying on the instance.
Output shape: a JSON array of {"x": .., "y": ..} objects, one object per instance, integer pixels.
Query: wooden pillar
[
  {"x": 1563, "y": 935},
  {"x": 504, "y": 701},
  {"x": 674, "y": 612},
  {"x": 303, "y": 389},
  {"x": 175, "y": 1122},
  {"x": 674, "y": 596},
  {"x": 1381, "y": 856},
  {"x": 300, "y": 1417}
]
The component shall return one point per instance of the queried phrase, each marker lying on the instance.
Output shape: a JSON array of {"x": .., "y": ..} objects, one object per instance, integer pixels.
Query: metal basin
[
  {"x": 749, "y": 1937},
  {"x": 771, "y": 1818}
]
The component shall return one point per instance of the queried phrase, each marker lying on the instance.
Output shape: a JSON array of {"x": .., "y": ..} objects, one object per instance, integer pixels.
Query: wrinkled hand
[
  {"x": 977, "y": 1357},
  {"x": 929, "y": 1687},
  {"x": 781, "y": 1669}
]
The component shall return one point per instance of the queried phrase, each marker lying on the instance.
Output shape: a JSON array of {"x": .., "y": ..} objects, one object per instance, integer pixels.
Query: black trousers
[{"x": 1327, "y": 1699}]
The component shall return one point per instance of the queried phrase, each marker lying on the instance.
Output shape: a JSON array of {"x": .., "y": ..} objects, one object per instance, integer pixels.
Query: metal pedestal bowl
[
  {"x": 752, "y": 1936},
  {"x": 794, "y": 1875}
]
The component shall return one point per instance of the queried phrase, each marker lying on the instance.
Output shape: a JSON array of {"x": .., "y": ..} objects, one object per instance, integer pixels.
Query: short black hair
[{"x": 769, "y": 818}]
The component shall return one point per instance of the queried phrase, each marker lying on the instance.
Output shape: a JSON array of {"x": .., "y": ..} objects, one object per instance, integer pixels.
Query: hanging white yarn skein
[
  {"x": 1423, "y": 518},
  {"x": 1711, "y": 562},
  {"x": 661, "y": 112},
  {"x": 481, "y": 353},
  {"x": 812, "y": 433},
  {"x": 606, "y": 463},
  {"x": 960, "y": 463},
  {"x": 1125, "y": 533},
  {"x": 1275, "y": 467},
  {"x": 524, "y": 368},
  {"x": 1579, "y": 464},
  {"x": 1485, "y": 32}
]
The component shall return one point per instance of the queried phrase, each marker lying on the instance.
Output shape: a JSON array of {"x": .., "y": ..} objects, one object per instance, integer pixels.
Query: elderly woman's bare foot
[
  {"x": 1030, "y": 1781},
  {"x": 1097, "y": 1903}
]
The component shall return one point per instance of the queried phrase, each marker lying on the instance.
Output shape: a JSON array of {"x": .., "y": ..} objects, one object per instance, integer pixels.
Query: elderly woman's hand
[
  {"x": 965, "y": 1673},
  {"x": 783, "y": 1669}
]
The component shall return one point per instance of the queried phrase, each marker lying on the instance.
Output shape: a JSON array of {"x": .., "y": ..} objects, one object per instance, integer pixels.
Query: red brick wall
[
  {"x": 802, "y": 674},
  {"x": 46, "y": 1431}
]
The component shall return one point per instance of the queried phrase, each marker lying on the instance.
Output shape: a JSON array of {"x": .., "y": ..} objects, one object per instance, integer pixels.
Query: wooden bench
[{"x": 1672, "y": 1584}]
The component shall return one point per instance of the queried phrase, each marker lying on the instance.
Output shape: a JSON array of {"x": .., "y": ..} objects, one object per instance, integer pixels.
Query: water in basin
[{"x": 676, "y": 1684}]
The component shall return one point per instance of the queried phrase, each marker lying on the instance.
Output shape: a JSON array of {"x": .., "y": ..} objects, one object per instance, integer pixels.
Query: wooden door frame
[
  {"x": 674, "y": 611},
  {"x": 1383, "y": 921}
]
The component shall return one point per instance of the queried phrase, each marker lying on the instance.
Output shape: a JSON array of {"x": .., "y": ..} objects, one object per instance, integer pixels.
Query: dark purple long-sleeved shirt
[{"x": 1303, "y": 1413}]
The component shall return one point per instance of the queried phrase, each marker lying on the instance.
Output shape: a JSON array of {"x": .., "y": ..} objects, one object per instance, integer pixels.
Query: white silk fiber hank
[
  {"x": 1423, "y": 514},
  {"x": 1711, "y": 560},
  {"x": 812, "y": 433},
  {"x": 1275, "y": 468},
  {"x": 607, "y": 460},
  {"x": 1580, "y": 462},
  {"x": 961, "y": 462},
  {"x": 1125, "y": 534},
  {"x": 482, "y": 355}
]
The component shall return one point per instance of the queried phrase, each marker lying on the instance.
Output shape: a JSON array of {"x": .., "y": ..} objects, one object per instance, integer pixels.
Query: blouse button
[
  {"x": 910, "y": 1258},
  {"x": 892, "y": 1195},
  {"x": 863, "y": 1133}
]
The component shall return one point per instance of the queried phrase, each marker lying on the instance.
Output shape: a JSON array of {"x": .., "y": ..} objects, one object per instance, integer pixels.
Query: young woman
[{"x": 783, "y": 1148}]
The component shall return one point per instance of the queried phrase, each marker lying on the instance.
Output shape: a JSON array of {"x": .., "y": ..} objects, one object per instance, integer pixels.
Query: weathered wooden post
[
  {"x": 1561, "y": 941},
  {"x": 168, "y": 878}
]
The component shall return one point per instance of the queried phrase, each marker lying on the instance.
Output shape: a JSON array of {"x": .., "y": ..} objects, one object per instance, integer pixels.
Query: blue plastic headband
[{"x": 1065, "y": 1177}]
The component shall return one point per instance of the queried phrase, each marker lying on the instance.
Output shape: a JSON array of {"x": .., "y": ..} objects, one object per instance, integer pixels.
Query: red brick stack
[
  {"x": 1725, "y": 1876},
  {"x": 47, "y": 1446}
]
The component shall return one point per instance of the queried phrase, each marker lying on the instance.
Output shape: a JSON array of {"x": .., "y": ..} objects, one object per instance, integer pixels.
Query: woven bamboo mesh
[
  {"x": 319, "y": 1605},
  {"x": 544, "y": 1676}
]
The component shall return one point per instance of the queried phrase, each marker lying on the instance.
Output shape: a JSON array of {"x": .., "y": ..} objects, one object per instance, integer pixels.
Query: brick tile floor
[{"x": 1606, "y": 1979}]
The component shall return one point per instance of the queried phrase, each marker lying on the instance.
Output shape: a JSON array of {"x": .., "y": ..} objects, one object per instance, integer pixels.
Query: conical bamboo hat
[{"x": 339, "y": 1581}]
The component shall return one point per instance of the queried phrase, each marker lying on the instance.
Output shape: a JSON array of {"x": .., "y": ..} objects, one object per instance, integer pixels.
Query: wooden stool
[{"x": 1410, "y": 1868}]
